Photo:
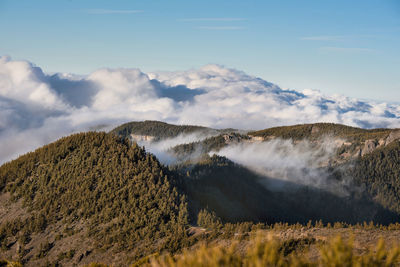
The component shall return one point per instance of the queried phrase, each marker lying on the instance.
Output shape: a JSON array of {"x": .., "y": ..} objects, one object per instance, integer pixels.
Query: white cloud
[
  {"x": 212, "y": 19},
  {"x": 121, "y": 86},
  {"x": 325, "y": 38},
  {"x": 220, "y": 28},
  {"x": 38, "y": 108},
  {"x": 161, "y": 148},
  {"x": 113, "y": 11},
  {"x": 347, "y": 49},
  {"x": 21, "y": 81},
  {"x": 282, "y": 160}
]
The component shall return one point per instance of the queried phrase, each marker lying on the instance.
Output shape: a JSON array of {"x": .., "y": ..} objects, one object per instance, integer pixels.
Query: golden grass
[{"x": 269, "y": 252}]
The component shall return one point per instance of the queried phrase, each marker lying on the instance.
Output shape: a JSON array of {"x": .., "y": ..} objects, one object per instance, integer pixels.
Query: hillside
[
  {"x": 350, "y": 142},
  {"x": 88, "y": 195},
  {"x": 379, "y": 173},
  {"x": 157, "y": 129},
  {"x": 317, "y": 130},
  {"x": 365, "y": 157},
  {"x": 97, "y": 197},
  {"x": 194, "y": 150},
  {"x": 237, "y": 194}
]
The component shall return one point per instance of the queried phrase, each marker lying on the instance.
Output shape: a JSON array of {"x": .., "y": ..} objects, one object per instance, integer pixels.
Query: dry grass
[{"x": 269, "y": 251}]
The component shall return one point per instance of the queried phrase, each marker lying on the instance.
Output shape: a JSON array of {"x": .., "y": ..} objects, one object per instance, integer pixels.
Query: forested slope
[
  {"x": 379, "y": 173},
  {"x": 237, "y": 194},
  {"x": 101, "y": 197},
  {"x": 158, "y": 129},
  {"x": 317, "y": 130},
  {"x": 96, "y": 183}
]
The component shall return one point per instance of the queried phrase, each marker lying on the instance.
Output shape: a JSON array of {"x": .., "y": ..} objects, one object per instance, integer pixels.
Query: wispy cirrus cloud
[
  {"x": 347, "y": 49},
  {"x": 333, "y": 38},
  {"x": 218, "y": 20},
  {"x": 220, "y": 28},
  {"x": 325, "y": 38},
  {"x": 211, "y": 19},
  {"x": 113, "y": 11}
]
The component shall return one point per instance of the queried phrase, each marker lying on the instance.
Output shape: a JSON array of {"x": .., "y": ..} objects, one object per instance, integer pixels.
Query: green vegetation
[
  {"x": 123, "y": 194},
  {"x": 317, "y": 130},
  {"x": 108, "y": 192},
  {"x": 379, "y": 173},
  {"x": 236, "y": 194},
  {"x": 191, "y": 152},
  {"x": 160, "y": 130}
]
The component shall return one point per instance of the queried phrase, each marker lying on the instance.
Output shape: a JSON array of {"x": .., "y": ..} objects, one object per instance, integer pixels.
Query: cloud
[
  {"x": 216, "y": 27},
  {"x": 220, "y": 28},
  {"x": 211, "y": 19},
  {"x": 161, "y": 148},
  {"x": 113, "y": 11},
  {"x": 325, "y": 38},
  {"x": 37, "y": 108},
  {"x": 347, "y": 49},
  {"x": 283, "y": 160},
  {"x": 20, "y": 80}
]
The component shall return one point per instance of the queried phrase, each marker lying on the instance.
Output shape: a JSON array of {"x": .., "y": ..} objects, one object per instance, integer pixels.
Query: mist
[
  {"x": 161, "y": 148},
  {"x": 286, "y": 162}
]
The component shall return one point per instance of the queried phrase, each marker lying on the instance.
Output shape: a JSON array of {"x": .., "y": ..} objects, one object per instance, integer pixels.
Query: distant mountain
[
  {"x": 351, "y": 142},
  {"x": 318, "y": 130},
  {"x": 157, "y": 130}
]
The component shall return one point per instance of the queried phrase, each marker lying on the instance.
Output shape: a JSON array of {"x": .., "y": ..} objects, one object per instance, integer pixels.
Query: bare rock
[
  {"x": 138, "y": 138},
  {"x": 256, "y": 138},
  {"x": 357, "y": 153},
  {"x": 231, "y": 138},
  {"x": 393, "y": 136},
  {"x": 381, "y": 142},
  {"x": 315, "y": 129},
  {"x": 369, "y": 146}
]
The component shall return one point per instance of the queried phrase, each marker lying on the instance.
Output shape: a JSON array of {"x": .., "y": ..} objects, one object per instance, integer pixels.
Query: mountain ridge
[{"x": 104, "y": 194}]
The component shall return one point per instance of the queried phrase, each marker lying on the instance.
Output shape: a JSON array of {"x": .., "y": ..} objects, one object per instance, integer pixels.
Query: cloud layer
[
  {"x": 36, "y": 108},
  {"x": 283, "y": 160}
]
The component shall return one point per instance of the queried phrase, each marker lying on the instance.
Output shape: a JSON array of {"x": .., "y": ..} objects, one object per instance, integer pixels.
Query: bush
[{"x": 269, "y": 252}]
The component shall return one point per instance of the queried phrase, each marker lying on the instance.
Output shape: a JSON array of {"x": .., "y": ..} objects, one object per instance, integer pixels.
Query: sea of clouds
[{"x": 37, "y": 108}]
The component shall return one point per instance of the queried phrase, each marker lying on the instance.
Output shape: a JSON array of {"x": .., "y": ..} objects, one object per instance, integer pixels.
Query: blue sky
[{"x": 344, "y": 47}]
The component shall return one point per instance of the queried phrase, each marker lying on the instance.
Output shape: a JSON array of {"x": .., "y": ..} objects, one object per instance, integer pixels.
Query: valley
[{"x": 147, "y": 189}]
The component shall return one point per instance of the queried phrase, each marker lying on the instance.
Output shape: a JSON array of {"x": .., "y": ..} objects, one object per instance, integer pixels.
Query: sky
[
  {"x": 68, "y": 66},
  {"x": 341, "y": 47}
]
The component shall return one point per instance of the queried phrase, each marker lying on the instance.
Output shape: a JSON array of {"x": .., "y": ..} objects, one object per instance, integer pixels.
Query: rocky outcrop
[
  {"x": 256, "y": 138},
  {"x": 315, "y": 129},
  {"x": 369, "y": 146},
  {"x": 229, "y": 138},
  {"x": 393, "y": 136},
  {"x": 372, "y": 144},
  {"x": 348, "y": 149},
  {"x": 139, "y": 138}
]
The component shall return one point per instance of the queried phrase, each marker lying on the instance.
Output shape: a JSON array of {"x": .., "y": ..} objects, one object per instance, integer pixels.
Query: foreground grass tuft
[{"x": 335, "y": 253}]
